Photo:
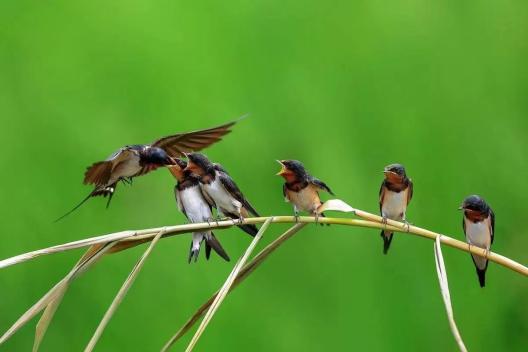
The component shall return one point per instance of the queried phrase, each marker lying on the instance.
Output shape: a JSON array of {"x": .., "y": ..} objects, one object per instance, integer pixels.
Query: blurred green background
[{"x": 347, "y": 87}]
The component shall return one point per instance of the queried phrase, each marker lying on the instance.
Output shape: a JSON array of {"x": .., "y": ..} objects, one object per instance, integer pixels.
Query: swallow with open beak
[
  {"x": 220, "y": 190},
  {"x": 394, "y": 196},
  {"x": 301, "y": 189},
  {"x": 479, "y": 228},
  {"x": 137, "y": 160},
  {"x": 193, "y": 205}
]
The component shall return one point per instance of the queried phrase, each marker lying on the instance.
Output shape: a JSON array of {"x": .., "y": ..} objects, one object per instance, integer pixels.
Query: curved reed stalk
[{"x": 116, "y": 242}]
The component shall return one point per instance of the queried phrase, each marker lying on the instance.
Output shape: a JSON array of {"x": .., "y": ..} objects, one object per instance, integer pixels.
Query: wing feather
[
  {"x": 178, "y": 144},
  {"x": 231, "y": 187},
  {"x": 100, "y": 172},
  {"x": 321, "y": 185}
]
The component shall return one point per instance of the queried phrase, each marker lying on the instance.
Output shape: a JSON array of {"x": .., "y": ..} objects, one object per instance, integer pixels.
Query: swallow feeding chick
[
  {"x": 394, "y": 196},
  {"x": 136, "y": 160},
  {"x": 301, "y": 189},
  {"x": 479, "y": 227},
  {"x": 193, "y": 205},
  {"x": 221, "y": 191}
]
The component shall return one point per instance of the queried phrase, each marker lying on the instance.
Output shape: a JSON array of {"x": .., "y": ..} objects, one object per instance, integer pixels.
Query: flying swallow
[
  {"x": 479, "y": 228},
  {"x": 137, "y": 160},
  {"x": 193, "y": 205},
  {"x": 394, "y": 196},
  {"x": 301, "y": 189},
  {"x": 220, "y": 190}
]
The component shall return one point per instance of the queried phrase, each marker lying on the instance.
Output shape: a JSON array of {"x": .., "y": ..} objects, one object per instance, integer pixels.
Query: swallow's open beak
[
  {"x": 283, "y": 169},
  {"x": 461, "y": 208}
]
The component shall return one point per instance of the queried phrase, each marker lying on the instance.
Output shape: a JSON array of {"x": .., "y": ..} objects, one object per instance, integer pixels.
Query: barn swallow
[
  {"x": 301, "y": 189},
  {"x": 137, "y": 160},
  {"x": 479, "y": 228},
  {"x": 394, "y": 196},
  {"x": 193, "y": 205},
  {"x": 220, "y": 190}
]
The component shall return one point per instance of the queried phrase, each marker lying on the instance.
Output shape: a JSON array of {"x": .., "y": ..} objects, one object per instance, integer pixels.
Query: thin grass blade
[
  {"x": 55, "y": 293},
  {"x": 121, "y": 294},
  {"x": 444, "y": 289},
  {"x": 244, "y": 273},
  {"x": 227, "y": 286}
]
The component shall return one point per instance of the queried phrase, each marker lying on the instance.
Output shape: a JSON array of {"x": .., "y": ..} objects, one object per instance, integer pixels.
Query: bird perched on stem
[
  {"x": 136, "y": 160},
  {"x": 394, "y": 196},
  {"x": 479, "y": 227},
  {"x": 221, "y": 191},
  {"x": 193, "y": 205},
  {"x": 301, "y": 189}
]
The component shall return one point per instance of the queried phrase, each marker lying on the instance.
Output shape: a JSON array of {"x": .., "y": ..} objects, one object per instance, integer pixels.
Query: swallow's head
[
  {"x": 292, "y": 170},
  {"x": 394, "y": 173},
  {"x": 177, "y": 169},
  {"x": 475, "y": 207},
  {"x": 159, "y": 157},
  {"x": 198, "y": 164}
]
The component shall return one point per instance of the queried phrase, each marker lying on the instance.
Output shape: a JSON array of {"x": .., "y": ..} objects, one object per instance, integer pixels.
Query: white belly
[
  {"x": 223, "y": 200},
  {"x": 195, "y": 206},
  {"x": 394, "y": 205},
  {"x": 305, "y": 200},
  {"x": 478, "y": 234}
]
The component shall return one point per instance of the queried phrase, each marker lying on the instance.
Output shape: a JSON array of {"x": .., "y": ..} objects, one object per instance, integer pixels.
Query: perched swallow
[
  {"x": 193, "y": 205},
  {"x": 137, "y": 160},
  {"x": 301, "y": 189},
  {"x": 220, "y": 190},
  {"x": 479, "y": 228},
  {"x": 394, "y": 196}
]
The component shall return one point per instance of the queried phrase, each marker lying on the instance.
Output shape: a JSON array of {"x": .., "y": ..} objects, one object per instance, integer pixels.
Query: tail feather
[
  {"x": 387, "y": 239},
  {"x": 197, "y": 238},
  {"x": 482, "y": 277},
  {"x": 106, "y": 191},
  {"x": 212, "y": 242},
  {"x": 480, "y": 272},
  {"x": 250, "y": 229}
]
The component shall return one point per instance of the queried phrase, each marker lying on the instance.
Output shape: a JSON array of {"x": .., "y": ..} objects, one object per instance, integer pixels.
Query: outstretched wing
[
  {"x": 321, "y": 185},
  {"x": 231, "y": 187},
  {"x": 100, "y": 172},
  {"x": 194, "y": 141}
]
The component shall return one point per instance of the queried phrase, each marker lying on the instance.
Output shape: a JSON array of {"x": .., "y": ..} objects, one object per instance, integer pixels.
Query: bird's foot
[
  {"x": 406, "y": 226},
  {"x": 384, "y": 221},
  {"x": 297, "y": 217}
]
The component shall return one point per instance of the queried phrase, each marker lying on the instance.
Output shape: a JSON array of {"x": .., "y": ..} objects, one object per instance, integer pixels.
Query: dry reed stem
[
  {"x": 244, "y": 273},
  {"x": 227, "y": 286},
  {"x": 121, "y": 294},
  {"x": 444, "y": 289}
]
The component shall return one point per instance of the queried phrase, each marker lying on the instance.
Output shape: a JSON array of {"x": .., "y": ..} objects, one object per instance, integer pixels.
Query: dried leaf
[{"x": 336, "y": 205}]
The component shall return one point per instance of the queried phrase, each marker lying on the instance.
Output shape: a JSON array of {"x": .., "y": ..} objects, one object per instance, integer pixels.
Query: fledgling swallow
[
  {"x": 394, "y": 196},
  {"x": 479, "y": 228},
  {"x": 193, "y": 205},
  {"x": 221, "y": 191},
  {"x": 301, "y": 189},
  {"x": 137, "y": 160}
]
